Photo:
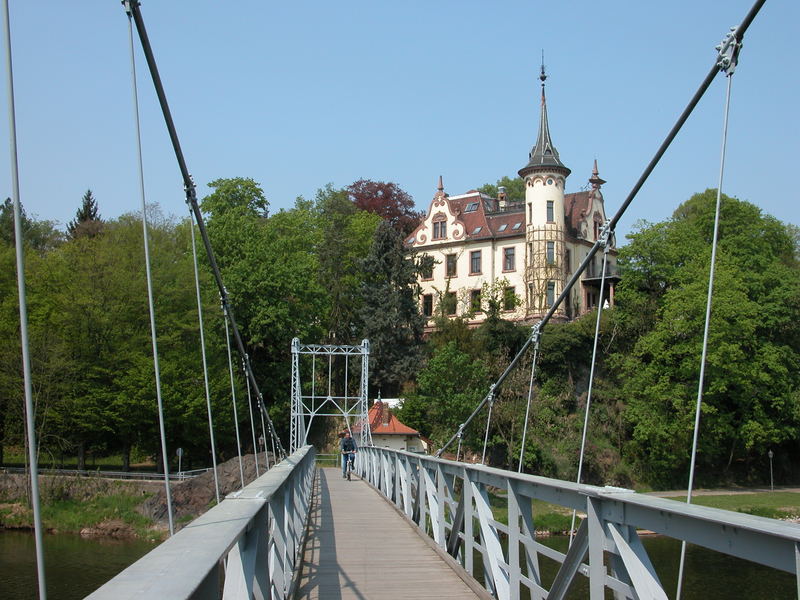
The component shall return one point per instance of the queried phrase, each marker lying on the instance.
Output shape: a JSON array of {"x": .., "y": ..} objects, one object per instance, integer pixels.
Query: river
[{"x": 77, "y": 566}]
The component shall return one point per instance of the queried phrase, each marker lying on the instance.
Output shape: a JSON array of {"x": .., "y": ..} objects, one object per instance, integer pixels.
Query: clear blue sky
[{"x": 299, "y": 94}]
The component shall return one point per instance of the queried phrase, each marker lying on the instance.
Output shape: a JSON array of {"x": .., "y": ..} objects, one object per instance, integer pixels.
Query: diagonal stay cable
[
  {"x": 733, "y": 40},
  {"x": 727, "y": 62},
  {"x": 132, "y": 8},
  {"x": 30, "y": 416},
  {"x": 205, "y": 362},
  {"x": 150, "y": 303}
]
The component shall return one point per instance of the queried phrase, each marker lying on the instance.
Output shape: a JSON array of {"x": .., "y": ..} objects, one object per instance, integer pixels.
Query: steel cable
[{"x": 154, "y": 341}]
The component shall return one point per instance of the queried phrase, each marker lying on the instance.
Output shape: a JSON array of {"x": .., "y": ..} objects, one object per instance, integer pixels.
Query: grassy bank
[
  {"x": 775, "y": 505},
  {"x": 74, "y": 505}
]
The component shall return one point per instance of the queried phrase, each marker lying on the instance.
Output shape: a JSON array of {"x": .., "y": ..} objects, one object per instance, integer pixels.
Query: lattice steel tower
[{"x": 335, "y": 400}]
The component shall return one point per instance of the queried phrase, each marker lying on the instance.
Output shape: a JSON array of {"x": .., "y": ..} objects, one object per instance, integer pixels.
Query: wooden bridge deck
[{"x": 360, "y": 547}]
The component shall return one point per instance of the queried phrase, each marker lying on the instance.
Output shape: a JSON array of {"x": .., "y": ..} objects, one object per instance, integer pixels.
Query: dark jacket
[{"x": 347, "y": 444}]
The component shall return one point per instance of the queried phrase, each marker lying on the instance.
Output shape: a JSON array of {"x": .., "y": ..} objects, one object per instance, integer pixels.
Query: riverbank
[{"x": 96, "y": 507}]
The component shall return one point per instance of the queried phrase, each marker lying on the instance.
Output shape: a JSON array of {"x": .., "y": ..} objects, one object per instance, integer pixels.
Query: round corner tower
[{"x": 545, "y": 179}]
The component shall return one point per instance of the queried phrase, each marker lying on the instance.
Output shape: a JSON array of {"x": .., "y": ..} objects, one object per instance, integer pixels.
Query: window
[
  {"x": 475, "y": 301},
  {"x": 551, "y": 253},
  {"x": 474, "y": 262},
  {"x": 516, "y": 226},
  {"x": 449, "y": 303},
  {"x": 551, "y": 293},
  {"x": 502, "y": 227},
  {"x": 471, "y": 207},
  {"x": 427, "y": 305},
  {"x": 509, "y": 260},
  {"x": 509, "y": 299},
  {"x": 450, "y": 265},
  {"x": 550, "y": 218},
  {"x": 439, "y": 230},
  {"x": 596, "y": 229},
  {"x": 568, "y": 261},
  {"x": 477, "y": 230}
]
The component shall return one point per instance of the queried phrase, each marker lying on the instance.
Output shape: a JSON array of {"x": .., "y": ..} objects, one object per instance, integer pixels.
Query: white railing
[
  {"x": 247, "y": 546},
  {"x": 450, "y": 502}
]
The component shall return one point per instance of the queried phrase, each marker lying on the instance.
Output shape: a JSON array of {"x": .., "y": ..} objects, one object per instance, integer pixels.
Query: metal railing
[
  {"x": 247, "y": 546},
  {"x": 450, "y": 502},
  {"x": 136, "y": 475}
]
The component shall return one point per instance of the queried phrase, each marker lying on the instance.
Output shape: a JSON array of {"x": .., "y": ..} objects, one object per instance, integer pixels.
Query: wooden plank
[{"x": 359, "y": 547}]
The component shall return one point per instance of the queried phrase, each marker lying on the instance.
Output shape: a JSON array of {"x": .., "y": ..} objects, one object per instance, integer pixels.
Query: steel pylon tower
[{"x": 329, "y": 398}]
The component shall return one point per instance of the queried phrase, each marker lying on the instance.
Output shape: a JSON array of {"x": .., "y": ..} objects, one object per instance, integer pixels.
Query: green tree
[
  {"x": 515, "y": 188},
  {"x": 449, "y": 388},
  {"x": 87, "y": 219},
  {"x": 38, "y": 235},
  {"x": 751, "y": 386},
  {"x": 390, "y": 311}
]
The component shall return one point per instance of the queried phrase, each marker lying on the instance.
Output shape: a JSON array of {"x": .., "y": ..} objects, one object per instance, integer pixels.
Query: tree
[
  {"x": 38, "y": 235},
  {"x": 346, "y": 234},
  {"x": 390, "y": 312},
  {"x": 449, "y": 388},
  {"x": 388, "y": 201},
  {"x": 751, "y": 399},
  {"x": 515, "y": 188},
  {"x": 87, "y": 219}
]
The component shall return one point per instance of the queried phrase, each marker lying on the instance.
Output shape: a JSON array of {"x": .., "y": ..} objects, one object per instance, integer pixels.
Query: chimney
[{"x": 502, "y": 202}]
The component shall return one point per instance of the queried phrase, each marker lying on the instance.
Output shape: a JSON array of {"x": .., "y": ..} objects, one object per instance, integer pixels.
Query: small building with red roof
[{"x": 389, "y": 432}]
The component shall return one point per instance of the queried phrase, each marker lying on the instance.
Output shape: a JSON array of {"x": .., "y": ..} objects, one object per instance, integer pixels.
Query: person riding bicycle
[{"x": 349, "y": 448}]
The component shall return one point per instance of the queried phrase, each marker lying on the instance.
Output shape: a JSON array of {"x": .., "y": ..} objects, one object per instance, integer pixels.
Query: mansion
[{"x": 522, "y": 253}]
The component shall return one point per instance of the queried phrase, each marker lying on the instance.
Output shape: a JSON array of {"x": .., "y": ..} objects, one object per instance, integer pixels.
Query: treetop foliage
[
  {"x": 388, "y": 201},
  {"x": 87, "y": 219}
]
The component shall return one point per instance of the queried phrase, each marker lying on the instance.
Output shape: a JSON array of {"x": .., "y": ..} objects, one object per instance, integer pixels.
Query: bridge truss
[{"x": 332, "y": 393}]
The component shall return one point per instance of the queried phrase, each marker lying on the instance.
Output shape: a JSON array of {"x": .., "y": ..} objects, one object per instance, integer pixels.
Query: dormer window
[
  {"x": 471, "y": 207},
  {"x": 439, "y": 230},
  {"x": 502, "y": 227},
  {"x": 477, "y": 230},
  {"x": 516, "y": 226}
]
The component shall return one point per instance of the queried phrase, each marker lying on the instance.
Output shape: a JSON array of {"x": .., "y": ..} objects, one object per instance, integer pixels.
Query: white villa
[{"x": 521, "y": 253}]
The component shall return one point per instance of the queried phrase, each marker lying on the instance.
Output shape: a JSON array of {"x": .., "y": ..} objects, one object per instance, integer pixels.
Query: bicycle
[{"x": 349, "y": 460}]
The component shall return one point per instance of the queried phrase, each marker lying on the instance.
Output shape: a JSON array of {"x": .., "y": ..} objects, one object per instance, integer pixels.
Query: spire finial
[
  {"x": 595, "y": 179},
  {"x": 441, "y": 185},
  {"x": 542, "y": 74}
]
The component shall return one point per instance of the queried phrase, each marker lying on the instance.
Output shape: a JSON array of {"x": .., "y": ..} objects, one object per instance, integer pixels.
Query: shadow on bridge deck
[{"x": 359, "y": 547}]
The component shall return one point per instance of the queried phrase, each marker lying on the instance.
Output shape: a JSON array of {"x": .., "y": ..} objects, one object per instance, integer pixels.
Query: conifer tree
[{"x": 87, "y": 218}]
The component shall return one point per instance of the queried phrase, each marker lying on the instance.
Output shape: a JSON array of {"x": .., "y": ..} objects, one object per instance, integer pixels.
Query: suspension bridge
[{"x": 412, "y": 525}]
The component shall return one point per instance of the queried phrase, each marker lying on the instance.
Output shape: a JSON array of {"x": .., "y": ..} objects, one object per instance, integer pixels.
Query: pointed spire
[
  {"x": 544, "y": 154},
  {"x": 441, "y": 185},
  {"x": 595, "y": 179}
]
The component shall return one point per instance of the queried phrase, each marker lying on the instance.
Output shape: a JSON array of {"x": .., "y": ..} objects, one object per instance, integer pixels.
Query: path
[{"x": 360, "y": 547}]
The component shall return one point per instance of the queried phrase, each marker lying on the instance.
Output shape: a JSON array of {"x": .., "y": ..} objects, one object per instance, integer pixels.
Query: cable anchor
[
  {"x": 728, "y": 52},
  {"x": 536, "y": 334}
]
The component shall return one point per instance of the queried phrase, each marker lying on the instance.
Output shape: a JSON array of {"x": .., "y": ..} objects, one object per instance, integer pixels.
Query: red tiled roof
[{"x": 383, "y": 422}]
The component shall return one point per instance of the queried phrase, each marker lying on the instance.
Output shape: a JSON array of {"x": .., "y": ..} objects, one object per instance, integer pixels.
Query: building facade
[{"x": 517, "y": 255}]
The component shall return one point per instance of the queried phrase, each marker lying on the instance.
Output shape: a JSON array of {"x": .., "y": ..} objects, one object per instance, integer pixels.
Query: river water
[
  {"x": 74, "y": 566},
  {"x": 77, "y": 566}
]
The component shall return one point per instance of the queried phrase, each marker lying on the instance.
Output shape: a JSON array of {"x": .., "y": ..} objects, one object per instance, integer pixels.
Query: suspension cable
[
  {"x": 264, "y": 441},
  {"x": 727, "y": 62},
  {"x": 488, "y": 422},
  {"x": 133, "y": 11},
  {"x": 734, "y": 40},
  {"x": 535, "y": 337},
  {"x": 205, "y": 363},
  {"x": 233, "y": 395},
  {"x": 605, "y": 236},
  {"x": 30, "y": 417},
  {"x": 252, "y": 422},
  {"x": 156, "y": 368}
]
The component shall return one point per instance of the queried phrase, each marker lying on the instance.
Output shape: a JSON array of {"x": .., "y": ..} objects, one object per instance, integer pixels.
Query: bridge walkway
[{"x": 360, "y": 547}]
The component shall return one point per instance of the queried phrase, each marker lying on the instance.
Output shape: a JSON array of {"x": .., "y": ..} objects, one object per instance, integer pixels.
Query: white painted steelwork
[
  {"x": 450, "y": 502},
  {"x": 325, "y": 397},
  {"x": 248, "y": 546}
]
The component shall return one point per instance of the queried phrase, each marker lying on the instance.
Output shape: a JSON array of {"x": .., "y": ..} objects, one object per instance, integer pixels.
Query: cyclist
[{"x": 348, "y": 447}]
